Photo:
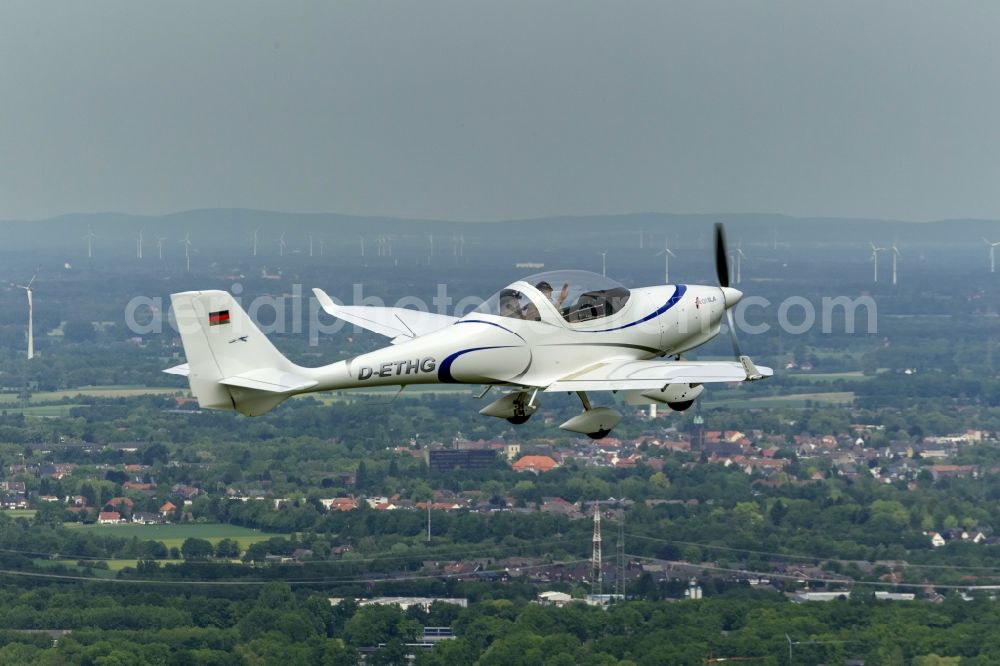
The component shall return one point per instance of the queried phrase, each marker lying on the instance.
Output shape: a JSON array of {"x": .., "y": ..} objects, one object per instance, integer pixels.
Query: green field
[
  {"x": 174, "y": 535},
  {"x": 792, "y": 400},
  {"x": 45, "y": 411},
  {"x": 379, "y": 396},
  {"x": 20, "y": 513},
  {"x": 854, "y": 376},
  {"x": 92, "y": 391},
  {"x": 374, "y": 396}
]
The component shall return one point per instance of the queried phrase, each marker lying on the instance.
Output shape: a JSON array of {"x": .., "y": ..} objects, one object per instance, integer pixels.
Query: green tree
[
  {"x": 79, "y": 330},
  {"x": 197, "y": 549},
  {"x": 227, "y": 548}
]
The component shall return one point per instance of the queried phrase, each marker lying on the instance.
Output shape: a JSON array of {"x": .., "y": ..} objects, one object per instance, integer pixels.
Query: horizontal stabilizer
[
  {"x": 271, "y": 380},
  {"x": 654, "y": 374},
  {"x": 400, "y": 324},
  {"x": 183, "y": 370}
]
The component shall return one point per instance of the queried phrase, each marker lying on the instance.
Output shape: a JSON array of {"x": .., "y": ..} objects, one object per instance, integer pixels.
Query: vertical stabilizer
[{"x": 231, "y": 364}]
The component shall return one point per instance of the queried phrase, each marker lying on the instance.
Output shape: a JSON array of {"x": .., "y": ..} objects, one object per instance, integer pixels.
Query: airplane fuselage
[{"x": 486, "y": 348}]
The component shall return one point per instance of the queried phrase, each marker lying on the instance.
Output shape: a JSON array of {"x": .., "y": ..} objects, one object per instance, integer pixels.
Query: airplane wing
[
  {"x": 653, "y": 374},
  {"x": 400, "y": 324}
]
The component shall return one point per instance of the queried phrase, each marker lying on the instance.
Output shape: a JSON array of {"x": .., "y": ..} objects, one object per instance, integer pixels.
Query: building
[
  {"x": 882, "y": 595},
  {"x": 109, "y": 518},
  {"x": 554, "y": 598},
  {"x": 936, "y": 539},
  {"x": 535, "y": 464},
  {"x": 445, "y": 460},
  {"x": 405, "y": 603},
  {"x": 837, "y": 595},
  {"x": 340, "y": 504}
]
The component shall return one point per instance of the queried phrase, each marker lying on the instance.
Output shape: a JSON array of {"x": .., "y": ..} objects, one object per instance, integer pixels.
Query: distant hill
[{"x": 233, "y": 227}]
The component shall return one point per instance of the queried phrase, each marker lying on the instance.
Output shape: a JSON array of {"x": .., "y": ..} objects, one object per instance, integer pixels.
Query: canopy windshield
[{"x": 578, "y": 295}]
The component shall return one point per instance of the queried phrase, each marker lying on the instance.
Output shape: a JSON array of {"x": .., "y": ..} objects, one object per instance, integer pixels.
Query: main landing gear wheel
[
  {"x": 680, "y": 406},
  {"x": 518, "y": 420},
  {"x": 595, "y": 422}
]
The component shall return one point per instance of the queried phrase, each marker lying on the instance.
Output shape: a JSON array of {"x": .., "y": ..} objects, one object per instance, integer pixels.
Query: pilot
[
  {"x": 509, "y": 305},
  {"x": 531, "y": 312}
]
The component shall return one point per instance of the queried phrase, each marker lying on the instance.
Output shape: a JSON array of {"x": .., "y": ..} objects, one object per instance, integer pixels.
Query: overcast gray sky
[{"x": 489, "y": 110}]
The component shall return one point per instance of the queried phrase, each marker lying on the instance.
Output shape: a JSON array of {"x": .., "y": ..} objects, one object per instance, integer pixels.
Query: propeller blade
[
  {"x": 721, "y": 260},
  {"x": 732, "y": 333}
]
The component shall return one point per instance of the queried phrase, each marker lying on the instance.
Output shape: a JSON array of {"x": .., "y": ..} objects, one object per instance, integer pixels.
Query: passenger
[{"x": 546, "y": 289}]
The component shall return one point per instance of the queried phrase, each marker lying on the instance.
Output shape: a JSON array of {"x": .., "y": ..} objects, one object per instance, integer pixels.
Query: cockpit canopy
[{"x": 578, "y": 296}]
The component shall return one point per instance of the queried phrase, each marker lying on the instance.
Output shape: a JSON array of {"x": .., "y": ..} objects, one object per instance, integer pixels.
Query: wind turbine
[
  {"x": 310, "y": 245},
  {"x": 875, "y": 251},
  {"x": 667, "y": 253},
  {"x": 90, "y": 242},
  {"x": 255, "y": 232},
  {"x": 187, "y": 250},
  {"x": 281, "y": 245},
  {"x": 138, "y": 246},
  {"x": 604, "y": 263},
  {"x": 31, "y": 336},
  {"x": 736, "y": 262},
  {"x": 993, "y": 256},
  {"x": 159, "y": 246},
  {"x": 895, "y": 255}
]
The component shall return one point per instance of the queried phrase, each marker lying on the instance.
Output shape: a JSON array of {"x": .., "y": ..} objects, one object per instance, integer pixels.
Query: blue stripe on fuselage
[
  {"x": 444, "y": 370},
  {"x": 671, "y": 302}
]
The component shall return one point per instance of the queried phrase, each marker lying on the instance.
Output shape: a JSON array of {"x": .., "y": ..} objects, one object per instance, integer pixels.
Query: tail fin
[{"x": 231, "y": 364}]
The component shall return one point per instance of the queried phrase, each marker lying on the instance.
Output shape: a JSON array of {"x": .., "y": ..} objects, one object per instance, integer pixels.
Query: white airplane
[{"x": 572, "y": 331}]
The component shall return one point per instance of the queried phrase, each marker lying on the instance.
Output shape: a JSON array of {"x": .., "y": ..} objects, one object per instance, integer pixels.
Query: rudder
[{"x": 231, "y": 364}]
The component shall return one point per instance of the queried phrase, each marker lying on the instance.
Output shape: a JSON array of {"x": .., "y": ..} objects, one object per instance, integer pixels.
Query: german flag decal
[{"x": 218, "y": 318}]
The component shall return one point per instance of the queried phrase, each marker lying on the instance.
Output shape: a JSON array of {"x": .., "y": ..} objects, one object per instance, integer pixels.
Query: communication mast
[
  {"x": 596, "y": 557},
  {"x": 620, "y": 576}
]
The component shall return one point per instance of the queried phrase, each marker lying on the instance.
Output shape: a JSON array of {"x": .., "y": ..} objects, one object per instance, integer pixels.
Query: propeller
[
  {"x": 721, "y": 258},
  {"x": 722, "y": 271}
]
